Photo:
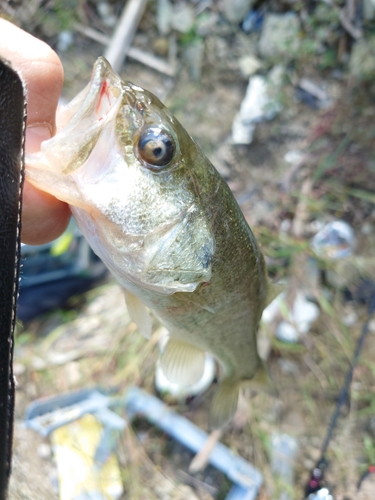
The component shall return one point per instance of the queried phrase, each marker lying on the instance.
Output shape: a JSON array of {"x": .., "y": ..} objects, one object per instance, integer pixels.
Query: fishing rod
[
  {"x": 12, "y": 129},
  {"x": 316, "y": 480}
]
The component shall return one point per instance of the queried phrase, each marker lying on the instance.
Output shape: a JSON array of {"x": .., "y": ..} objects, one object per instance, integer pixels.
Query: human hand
[{"x": 44, "y": 217}]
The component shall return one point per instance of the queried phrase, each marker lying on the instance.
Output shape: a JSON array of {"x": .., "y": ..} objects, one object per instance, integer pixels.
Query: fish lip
[{"x": 103, "y": 71}]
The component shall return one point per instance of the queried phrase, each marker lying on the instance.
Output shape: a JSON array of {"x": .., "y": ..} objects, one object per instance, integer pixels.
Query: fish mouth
[
  {"x": 97, "y": 102},
  {"x": 81, "y": 122}
]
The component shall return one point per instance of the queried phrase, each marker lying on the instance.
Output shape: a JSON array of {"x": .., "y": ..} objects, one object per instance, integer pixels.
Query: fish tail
[{"x": 225, "y": 400}]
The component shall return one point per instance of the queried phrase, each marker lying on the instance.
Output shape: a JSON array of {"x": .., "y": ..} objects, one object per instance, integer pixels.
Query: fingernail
[{"x": 35, "y": 135}]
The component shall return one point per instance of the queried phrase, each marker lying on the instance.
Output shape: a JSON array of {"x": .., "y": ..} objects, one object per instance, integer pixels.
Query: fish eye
[{"x": 156, "y": 147}]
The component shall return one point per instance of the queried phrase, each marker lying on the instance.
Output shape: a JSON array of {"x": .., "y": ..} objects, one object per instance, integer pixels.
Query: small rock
[
  {"x": 249, "y": 65},
  {"x": 193, "y": 54},
  {"x": 297, "y": 321},
  {"x": 350, "y": 318},
  {"x": 362, "y": 59},
  {"x": 182, "y": 17},
  {"x": 164, "y": 16},
  {"x": 368, "y": 9},
  {"x": 105, "y": 11},
  {"x": 236, "y": 10},
  {"x": 367, "y": 229},
  {"x": 294, "y": 156},
  {"x": 285, "y": 226},
  {"x": 279, "y": 38},
  {"x": 64, "y": 40},
  {"x": 206, "y": 24},
  {"x": 160, "y": 46},
  {"x": 288, "y": 366}
]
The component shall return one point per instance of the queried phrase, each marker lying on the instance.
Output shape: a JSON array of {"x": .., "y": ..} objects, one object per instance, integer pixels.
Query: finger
[
  {"x": 44, "y": 218},
  {"x": 41, "y": 70}
]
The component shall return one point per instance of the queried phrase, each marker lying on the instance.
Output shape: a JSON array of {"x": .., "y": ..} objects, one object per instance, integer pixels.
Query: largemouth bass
[{"x": 162, "y": 219}]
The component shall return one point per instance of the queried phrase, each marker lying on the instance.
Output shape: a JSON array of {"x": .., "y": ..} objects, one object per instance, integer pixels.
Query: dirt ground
[{"x": 91, "y": 342}]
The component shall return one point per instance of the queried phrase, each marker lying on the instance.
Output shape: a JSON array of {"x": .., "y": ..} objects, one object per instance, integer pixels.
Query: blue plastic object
[
  {"x": 246, "y": 478},
  {"x": 47, "y": 415}
]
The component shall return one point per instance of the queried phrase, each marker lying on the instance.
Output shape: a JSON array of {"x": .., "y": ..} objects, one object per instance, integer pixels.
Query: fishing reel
[{"x": 315, "y": 489}]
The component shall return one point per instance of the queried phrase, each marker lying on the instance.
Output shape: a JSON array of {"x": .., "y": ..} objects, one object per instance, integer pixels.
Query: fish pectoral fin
[
  {"x": 261, "y": 381},
  {"x": 274, "y": 289},
  {"x": 182, "y": 363},
  {"x": 139, "y": 314},
  {"x": 224, "y": 404}
]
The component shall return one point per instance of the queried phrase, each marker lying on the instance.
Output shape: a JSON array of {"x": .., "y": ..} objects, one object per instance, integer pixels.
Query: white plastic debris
[
  {"x": 322, "y": 494},
  {"x": 336, "y": 240},
  {"x": 287, "y": 333},
  {"x": 260, "y": 103},
  {"x": 296, "y": 322}
]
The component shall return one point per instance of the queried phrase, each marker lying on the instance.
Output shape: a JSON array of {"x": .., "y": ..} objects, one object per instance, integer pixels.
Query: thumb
[{"x": 44, "y": 218}]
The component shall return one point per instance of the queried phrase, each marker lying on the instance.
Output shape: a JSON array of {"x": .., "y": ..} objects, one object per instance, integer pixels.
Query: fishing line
[{"x": 317, "y": 475}]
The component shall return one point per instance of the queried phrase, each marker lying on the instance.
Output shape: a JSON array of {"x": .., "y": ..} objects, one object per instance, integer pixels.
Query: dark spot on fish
[{"x": 205, "y": 257}]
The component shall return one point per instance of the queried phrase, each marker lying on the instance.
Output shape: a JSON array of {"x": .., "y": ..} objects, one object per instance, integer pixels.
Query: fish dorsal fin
[
  {"x": 224, "y": 404},
  {"x": 182, "y": 363},
  {"x": 139, "y": 314}
]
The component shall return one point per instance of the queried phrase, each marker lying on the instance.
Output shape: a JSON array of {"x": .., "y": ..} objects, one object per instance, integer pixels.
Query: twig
[
  {"x": 139, "y": 55},
  {"x": 7, "y": 9},
  {"x": 201, "y": 459},
  {"x": 301, "y": 209},
  {"x": 354, "y": 32},
  {"x": 316, "y": 370},
  {"x": 123, "y": 36}
]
